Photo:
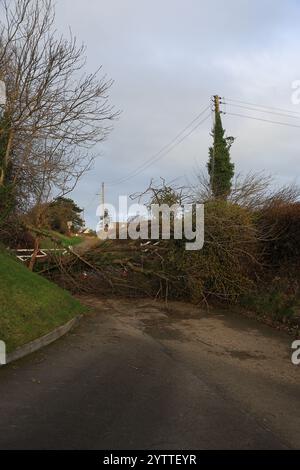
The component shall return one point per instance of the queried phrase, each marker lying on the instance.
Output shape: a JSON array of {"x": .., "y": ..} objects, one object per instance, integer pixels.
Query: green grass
[
  {"x": 66, "y": 241},
  {"x": 30, "y": 306}
]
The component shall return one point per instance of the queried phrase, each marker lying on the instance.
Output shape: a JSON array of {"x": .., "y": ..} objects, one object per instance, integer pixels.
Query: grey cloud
[{"x": 167, "y": 58}]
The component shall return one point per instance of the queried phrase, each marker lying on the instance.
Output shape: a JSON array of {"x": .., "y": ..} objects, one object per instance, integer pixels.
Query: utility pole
[
  {"x": 217, "y": 104},
  {"x": 105, "y": 215},
  {"x": 221, "y": 169},
  {"x": 104, "y": 212},
  {"x": 216, "y": 99},
  {"x": 103, "y": 194},
  {"x": 103, "y": 199}
]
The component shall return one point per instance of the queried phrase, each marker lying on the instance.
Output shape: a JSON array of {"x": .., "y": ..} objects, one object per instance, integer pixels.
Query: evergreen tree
[
  {"x": 220, "y": 167},
  {"x": 61, "y": 211}
]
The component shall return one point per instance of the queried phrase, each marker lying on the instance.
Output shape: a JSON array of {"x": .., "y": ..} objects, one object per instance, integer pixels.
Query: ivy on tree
[{"x": 220, "y": 167}]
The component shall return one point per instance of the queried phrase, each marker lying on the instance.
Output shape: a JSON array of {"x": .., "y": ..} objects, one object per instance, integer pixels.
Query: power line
[
  {"x": 163, "y": 151},
  {"x": 263, "y": 111},
  {"x": 156, "y": 155},
  {"x": 138, "y": 172},
  {"x": 262, "y": 106},
  {"x": 261, "y": 119}
]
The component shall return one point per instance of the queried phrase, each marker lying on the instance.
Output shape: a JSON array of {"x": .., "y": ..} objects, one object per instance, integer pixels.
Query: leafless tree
[
  {"x": 254, "y": 191},
  {"x": 55, "y": 113}
]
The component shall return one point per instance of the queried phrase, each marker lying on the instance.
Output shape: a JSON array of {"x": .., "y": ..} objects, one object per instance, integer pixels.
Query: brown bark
[{"x": 35, "y": 253}]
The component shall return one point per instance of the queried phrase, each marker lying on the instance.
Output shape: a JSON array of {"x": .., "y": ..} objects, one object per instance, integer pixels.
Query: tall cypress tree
[{"x": 220, "y": 167}]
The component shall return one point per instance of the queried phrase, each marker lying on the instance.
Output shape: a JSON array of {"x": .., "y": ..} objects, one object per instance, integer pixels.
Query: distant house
[{"x": 86, "y": 231}]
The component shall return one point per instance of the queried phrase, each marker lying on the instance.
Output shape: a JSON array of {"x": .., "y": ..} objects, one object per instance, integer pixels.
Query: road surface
[{"x": 135, "y": 375}]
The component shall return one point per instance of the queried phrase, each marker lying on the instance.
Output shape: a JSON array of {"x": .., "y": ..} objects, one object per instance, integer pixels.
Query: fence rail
[{"x": 26, "y": 254}]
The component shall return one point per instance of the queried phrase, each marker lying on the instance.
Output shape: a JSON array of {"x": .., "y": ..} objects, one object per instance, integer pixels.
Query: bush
[
  {"x": 273, "y": 303},
  {"x": 282, "y": 222},
  {"x": 14, "y": 235},
  {"x": 226, "y": 267}
]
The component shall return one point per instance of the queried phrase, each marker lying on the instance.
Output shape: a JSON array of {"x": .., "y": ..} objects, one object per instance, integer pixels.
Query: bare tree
[
  {"x": 55, "y": 113},
  {"x": 254, "y": 191}
]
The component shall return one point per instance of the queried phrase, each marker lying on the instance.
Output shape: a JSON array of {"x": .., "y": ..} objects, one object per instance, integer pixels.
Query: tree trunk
[{"x": 35, "y": 253}]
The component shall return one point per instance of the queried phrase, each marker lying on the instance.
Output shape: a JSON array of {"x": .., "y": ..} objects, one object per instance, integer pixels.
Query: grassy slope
[
  {"x": 66, "y": 241},
  {"x": 30, "y": 306}
]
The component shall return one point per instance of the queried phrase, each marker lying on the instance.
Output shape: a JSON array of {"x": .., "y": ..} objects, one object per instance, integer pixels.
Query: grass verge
[
  {"x": 66, "y": 241},
  {"x": 30, "y": 306}
]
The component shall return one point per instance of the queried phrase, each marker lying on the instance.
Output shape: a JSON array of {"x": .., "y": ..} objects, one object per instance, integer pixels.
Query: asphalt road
[{"x": 134, "y": 375}]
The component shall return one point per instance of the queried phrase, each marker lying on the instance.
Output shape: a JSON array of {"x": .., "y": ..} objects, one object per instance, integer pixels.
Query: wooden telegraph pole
[
  {"x": 217, "y": 104},
  {"x": 103, "y": 199},
  {"x": 217, "y": 112}
]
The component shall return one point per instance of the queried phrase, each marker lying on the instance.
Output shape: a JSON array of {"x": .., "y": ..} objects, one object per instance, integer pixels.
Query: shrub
[
  {"x": 273, "y": 303},
  {"x": 226, "y": 267},
  {"x": 282, "y": 246}
]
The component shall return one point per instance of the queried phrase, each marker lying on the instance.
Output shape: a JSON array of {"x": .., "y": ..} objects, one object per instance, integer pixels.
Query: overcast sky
[{"x": 167, "y": 58}]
